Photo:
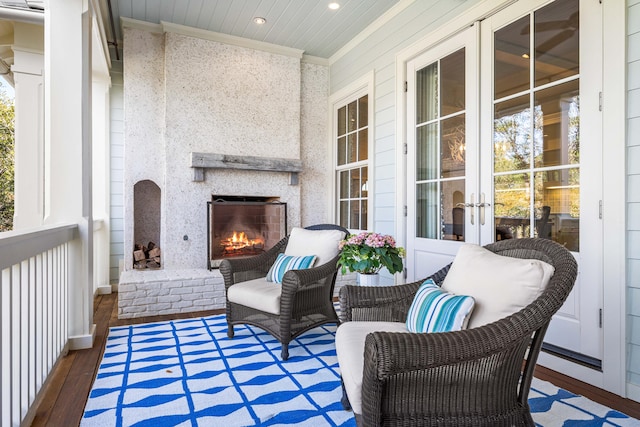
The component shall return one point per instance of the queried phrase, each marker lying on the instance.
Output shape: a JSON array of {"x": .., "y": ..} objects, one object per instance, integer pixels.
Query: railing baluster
[
  {"x": 34, "y": 292},
  {"x": 5, "y": 339},
  {"x": 15, "y": 342}
]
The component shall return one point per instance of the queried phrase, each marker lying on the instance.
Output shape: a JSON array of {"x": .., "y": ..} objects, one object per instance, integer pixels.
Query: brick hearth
[{"x": 152, "y": 293}]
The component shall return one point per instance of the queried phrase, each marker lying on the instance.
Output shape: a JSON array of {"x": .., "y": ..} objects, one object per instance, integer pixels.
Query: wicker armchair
[
  {"x": 306, "y": 296},
  {"x": 473, "y": 377}
]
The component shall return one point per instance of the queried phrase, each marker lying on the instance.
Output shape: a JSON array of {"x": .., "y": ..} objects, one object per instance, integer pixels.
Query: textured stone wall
[
  {"x": 184, "y": 94},
  {"x": 315, "y": 180},
  {"x": 229, "y": 100}
]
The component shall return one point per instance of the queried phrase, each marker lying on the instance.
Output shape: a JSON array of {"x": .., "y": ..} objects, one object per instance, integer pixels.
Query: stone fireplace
[{"x": 205, "y": 117}]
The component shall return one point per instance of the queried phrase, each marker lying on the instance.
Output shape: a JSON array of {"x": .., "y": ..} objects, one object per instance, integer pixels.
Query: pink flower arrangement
[{"x": 368, "y": 253}]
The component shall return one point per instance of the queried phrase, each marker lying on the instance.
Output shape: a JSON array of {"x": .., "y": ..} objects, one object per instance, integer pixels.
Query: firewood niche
[
  {"x": 146, "y": 256},
  {"x": 202, "y": 161}
]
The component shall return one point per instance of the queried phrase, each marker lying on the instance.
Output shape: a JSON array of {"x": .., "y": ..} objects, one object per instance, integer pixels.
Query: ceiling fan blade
[
  {"x": 554, "y": 41},
  {"x": 565, "y": 24}
]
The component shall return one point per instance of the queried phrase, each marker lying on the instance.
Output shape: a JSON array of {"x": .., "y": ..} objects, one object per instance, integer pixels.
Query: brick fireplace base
[
  {"x": 152, "y": 293},
  {"x": 156, "y": 292}
]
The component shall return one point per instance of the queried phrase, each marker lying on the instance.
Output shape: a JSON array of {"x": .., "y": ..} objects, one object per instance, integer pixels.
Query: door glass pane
[
  {"x": 453, "y": 210},
  {"x": 512, "y": 199},
  {"x": 557, "y": 125},
  {"x": 427, "y": 210},
  {"x": 453, "y": 147},
  {"x": 537, "y": 132},
  {"x": 512, "y": 57},
  {"x": 557, "y": 30},
  {"x": 427, "y": 152},
  {"x": 512, "y": 135},
  {"x": 453, "y": 84},
  {"x": 441, "y": 148},
  {"x": 557, "y": 202},
  {"x": 427, "y": 93}
]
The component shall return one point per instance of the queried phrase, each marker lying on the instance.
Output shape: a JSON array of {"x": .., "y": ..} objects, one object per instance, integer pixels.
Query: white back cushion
[
  {"x": 321, "y": 243},
  {"x": 500, "y": 285}
]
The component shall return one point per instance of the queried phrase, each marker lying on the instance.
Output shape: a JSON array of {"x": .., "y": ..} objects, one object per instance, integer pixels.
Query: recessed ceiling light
[
  {"x": 334, "y": 5},
  {"x": 259, "y": 20},
  {"x": 525, "y": 55}
]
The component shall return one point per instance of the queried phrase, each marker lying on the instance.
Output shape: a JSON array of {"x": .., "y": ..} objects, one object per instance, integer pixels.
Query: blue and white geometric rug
[{"x": 188, "y": 373}]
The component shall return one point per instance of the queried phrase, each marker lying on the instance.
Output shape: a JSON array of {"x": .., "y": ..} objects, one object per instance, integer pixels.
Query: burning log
[{"x": 239, "y": 244}]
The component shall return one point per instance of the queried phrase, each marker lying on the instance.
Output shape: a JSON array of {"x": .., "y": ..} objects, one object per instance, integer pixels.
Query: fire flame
[{"x": 240, "y": 240}]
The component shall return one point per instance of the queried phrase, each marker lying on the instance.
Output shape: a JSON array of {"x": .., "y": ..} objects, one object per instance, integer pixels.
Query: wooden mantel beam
[{"x": 201, "y": 161}]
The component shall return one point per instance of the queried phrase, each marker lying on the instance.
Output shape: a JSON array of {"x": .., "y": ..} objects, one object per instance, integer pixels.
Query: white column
[
  {"x": 28, "y": 48},
  {"x": 101, "y": 181},
  {"x": 68, "y": 185}
]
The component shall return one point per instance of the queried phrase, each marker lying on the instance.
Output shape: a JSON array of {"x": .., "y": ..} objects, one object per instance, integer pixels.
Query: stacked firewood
[{"x": 146, "y": 256}]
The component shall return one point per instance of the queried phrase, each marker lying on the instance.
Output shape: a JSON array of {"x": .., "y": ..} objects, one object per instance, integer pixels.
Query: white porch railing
[{"x": 34, "y": 311}]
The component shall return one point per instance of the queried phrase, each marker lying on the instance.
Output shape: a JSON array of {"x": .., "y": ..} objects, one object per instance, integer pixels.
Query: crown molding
[
  {"x": 309, "y": 59},
  {"x": 231, "y": 40},
  {"x": 372, "y": 28},
  {"x": 140, "y": 25}
]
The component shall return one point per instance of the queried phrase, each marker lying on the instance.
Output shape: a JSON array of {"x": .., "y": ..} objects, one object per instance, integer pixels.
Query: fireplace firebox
[{"x": 243, "y": 226}]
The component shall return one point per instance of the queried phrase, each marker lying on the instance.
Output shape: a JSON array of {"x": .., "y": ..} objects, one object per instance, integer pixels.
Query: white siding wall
[
  {"x": 633, "y": 198},
  {"x": 117, "y": 172},
  {"x": 378, "y": 53}
]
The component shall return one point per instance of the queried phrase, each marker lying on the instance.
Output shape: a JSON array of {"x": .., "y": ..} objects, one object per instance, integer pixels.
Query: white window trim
[{"x": 362, "y": 86}]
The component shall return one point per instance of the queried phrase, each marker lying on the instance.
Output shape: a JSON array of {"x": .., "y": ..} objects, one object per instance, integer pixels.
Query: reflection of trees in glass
[
  {"x": 574, "y": 182},
  {"x": 512, "y": 196},
  {"x": 574, "y": 130},
  {"x": 512, "y": 141}
]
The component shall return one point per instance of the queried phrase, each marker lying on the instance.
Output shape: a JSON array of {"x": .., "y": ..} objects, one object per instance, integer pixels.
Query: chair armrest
[
  {"x": 310, "y": 279},
  {"x": 402, "y": 367},
  {"x": 379, "y": 303},
  {"x": 294, "y": 280},
  {"x": 382, "y": 303},
  {"x": 235, "y": 270}
]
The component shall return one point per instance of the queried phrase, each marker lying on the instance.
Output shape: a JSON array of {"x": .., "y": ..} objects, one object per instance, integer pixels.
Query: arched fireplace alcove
[{"x": 146, "y": 224}]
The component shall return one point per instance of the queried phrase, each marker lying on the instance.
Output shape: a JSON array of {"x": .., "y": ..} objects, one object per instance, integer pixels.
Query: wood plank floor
[{"x": 64, "y": 396}]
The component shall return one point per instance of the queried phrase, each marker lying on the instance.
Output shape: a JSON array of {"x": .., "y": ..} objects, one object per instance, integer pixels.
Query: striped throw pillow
[
  {"x": 285, "y": 263},
  {"x": 435, "y": 310}
]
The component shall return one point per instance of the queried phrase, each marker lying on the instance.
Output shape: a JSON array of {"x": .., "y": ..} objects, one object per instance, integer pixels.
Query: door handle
[{"x": 482, "y": 205}]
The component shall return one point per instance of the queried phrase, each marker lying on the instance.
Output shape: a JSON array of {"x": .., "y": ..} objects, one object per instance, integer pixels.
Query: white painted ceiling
[{"x": 308, "y": 25}]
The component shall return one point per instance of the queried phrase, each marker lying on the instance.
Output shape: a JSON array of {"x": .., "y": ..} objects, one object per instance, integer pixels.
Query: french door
[{"x": 504, "y": 141}]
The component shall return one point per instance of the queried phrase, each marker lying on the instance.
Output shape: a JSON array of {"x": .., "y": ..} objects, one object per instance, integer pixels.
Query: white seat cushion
[
  {"x": 258, "y": 294},
  {"x": 500, "y": 285},
  {"x": 321, "y": 243},
  {"x": 350, "y": 338}
]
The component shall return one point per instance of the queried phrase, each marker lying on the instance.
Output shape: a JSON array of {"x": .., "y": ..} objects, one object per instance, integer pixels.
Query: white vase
[{"x": 368, "y": 279}]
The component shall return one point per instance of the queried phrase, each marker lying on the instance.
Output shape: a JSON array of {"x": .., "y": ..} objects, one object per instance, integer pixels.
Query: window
[{"x": 352, "y": 168}]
